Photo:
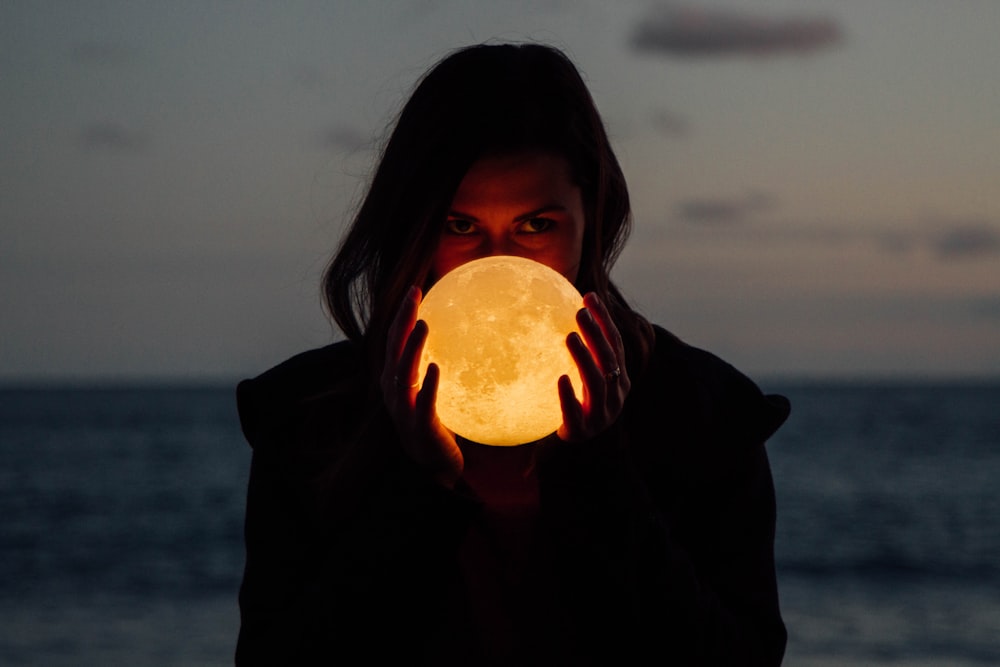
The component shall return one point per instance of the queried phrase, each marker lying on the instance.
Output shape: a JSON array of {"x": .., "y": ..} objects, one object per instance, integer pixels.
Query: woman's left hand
[{"x": 600, "y": 358}]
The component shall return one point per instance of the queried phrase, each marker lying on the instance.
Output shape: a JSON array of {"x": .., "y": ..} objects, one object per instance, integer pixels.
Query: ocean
[{"x": 122, "y": 510}]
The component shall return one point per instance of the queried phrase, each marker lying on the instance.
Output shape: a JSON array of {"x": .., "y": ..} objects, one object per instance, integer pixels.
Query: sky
[{"x": 814, "y": 183}]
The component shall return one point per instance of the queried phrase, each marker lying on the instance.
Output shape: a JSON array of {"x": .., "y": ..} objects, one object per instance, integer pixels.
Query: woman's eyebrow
[
  {"x": 534, "y": 213},
  {"x": 455, "y": 213},
  {"x": 548, "y": 208}
]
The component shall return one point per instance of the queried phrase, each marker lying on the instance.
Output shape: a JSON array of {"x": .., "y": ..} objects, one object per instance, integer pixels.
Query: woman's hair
[{"x": 479, "y": 101}]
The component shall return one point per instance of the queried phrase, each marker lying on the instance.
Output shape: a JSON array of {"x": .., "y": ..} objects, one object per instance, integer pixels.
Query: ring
[
  {"x": 613, "y": 375},
  {"x": 401, "y": 384}
]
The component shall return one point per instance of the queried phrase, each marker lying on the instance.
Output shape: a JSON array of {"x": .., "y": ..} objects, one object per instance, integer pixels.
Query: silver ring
[{"x": 613, "y": 375}]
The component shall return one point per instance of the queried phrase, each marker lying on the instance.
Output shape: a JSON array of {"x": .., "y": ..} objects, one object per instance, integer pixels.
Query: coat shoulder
[
  {"x": 710, "y": 390},
  {"x": 332, "y": 376}
]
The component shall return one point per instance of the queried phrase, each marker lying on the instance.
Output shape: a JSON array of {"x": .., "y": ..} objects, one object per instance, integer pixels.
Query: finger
[
  {"x": 594, "y": 304},
  {"x": 600, "y": 313},
  {"x": 408, "y": 367},
  {"x": 594, "y": 389},
  {"x": 397, "y": 337},
  {"x": 401, "y": 325},
  {"x": 427, "y": 396},
  {"x": 597, "y": 341},
  {"x": 572, "y": 411},
  {"x": 616, "y": 372}
]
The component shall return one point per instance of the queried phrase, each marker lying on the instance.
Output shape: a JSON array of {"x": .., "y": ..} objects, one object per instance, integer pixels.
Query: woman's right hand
[{"x": 412, "y": 404}]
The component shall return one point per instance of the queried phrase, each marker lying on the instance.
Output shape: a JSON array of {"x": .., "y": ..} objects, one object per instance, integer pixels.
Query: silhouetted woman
[{"x": 641, "y": 531}]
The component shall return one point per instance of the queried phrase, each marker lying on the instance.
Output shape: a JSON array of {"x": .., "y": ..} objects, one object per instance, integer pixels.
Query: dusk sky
[{"x": 816, "y": 185}]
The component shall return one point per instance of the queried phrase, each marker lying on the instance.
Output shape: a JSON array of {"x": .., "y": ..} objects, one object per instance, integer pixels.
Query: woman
[{"x": 642, "y": 530}]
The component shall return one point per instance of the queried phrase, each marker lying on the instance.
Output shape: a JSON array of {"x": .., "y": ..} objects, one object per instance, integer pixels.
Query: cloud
[
  {"x": 748, "y": 220},
  {"x": 112, "y": 137},
  {"x": 895, "y": 242},
  {"x": 669, "y": 123},
  {"x": 967, "y": 241},
  {"x": 723, "y": 211},
  {"x": 947, "y": 241},
  {"x": 986, "y": 307},
  {"x": 344, "y": 139},
  {"x": 688, "y": 31}
]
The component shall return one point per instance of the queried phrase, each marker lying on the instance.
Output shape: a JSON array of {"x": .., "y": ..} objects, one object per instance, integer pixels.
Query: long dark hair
[{"x": 481, "y": 100}]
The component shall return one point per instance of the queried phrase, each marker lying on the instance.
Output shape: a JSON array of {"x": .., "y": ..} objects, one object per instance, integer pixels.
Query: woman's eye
[
  {"x": 536, "y": 225},
  {"x": 459, "y": 226}
]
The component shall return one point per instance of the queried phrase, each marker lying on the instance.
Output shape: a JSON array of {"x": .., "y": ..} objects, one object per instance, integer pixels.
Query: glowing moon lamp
[{"x": 497, "y": 330}]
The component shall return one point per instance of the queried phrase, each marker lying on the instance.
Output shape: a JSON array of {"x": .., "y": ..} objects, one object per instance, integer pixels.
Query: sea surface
[{"x": 121, "y": 524}]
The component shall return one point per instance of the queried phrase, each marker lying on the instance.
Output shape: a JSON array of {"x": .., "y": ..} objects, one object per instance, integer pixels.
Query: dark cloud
[
  {"x": 967, "y": 241},
  {"x": 111, "y": 137},
  {"x": 987, "y": 307},
  {"x": 723, "y": 211},
  {"x": 948, "y": 241},
  {"x": 894, "y": 241},
  {"x": 669, "y": 123},
  {"x": 944, "y": 240},
  {"x": 102, "y": 53},
  {"x": 344, "y": 139},
  {"x": 696, "y": 32}
]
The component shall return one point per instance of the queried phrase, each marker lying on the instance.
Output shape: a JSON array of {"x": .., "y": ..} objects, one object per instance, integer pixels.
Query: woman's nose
[{"x": 499, "y": 245}]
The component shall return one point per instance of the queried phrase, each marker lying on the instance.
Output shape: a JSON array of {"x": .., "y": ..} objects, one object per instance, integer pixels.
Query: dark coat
[{"x": 658, "y": 536}]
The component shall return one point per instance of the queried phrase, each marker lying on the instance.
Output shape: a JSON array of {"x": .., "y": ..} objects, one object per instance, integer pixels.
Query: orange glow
[{"x": 497, "y": 330}]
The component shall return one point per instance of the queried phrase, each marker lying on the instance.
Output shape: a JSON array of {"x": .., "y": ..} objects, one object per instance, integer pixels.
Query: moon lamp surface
[{"x": 497, "y": 330}]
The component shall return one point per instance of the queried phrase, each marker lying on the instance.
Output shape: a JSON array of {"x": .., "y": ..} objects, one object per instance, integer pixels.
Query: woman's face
[{"x": 523, "y": 204}]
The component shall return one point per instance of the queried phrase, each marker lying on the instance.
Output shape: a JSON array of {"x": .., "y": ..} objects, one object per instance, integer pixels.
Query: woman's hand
[
  {"x": 600, "y": 358},
  {"x": 412, "y": 405}
]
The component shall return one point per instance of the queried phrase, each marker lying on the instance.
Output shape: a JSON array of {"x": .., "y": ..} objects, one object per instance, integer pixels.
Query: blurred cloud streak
[
  {"x": 688, "y": 31},
  {"x": 967, "y": 240},
  {"x": 719, "y": 210},
  {"x": 670, "y": 124},
  {"x": 987, "y": 307},
  {"x": 112, "y": 137},
  {"x": 344, "y": 139}
]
